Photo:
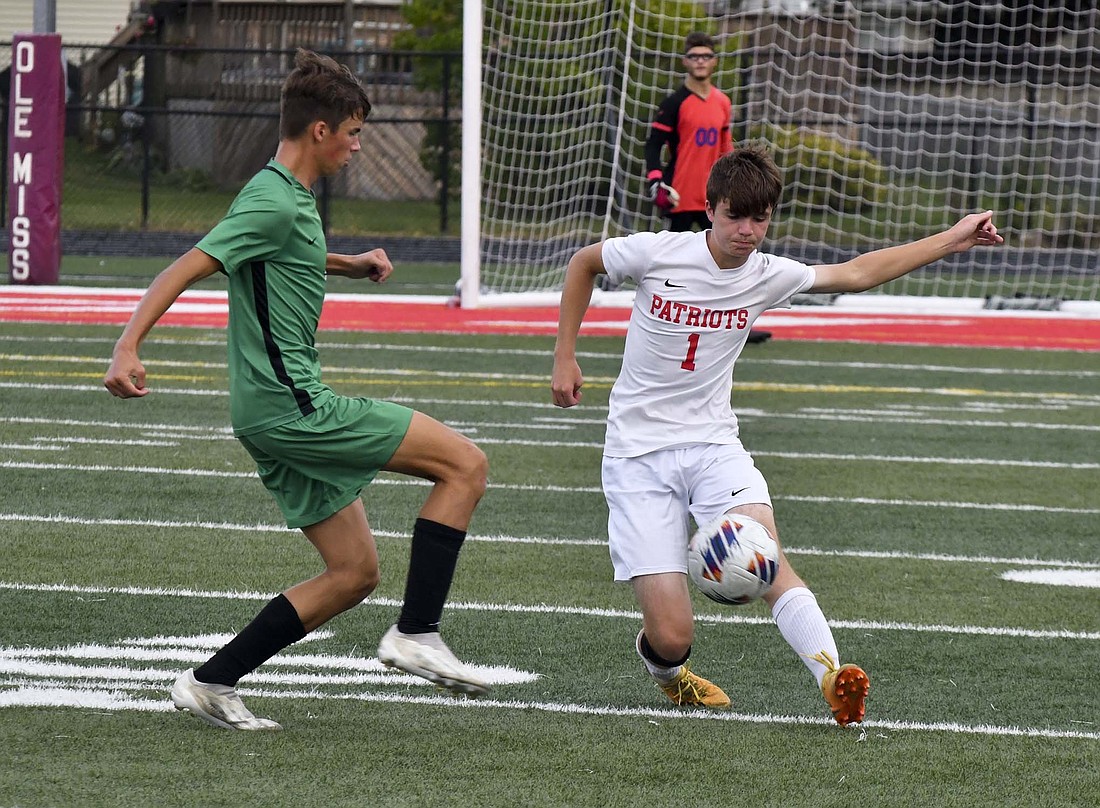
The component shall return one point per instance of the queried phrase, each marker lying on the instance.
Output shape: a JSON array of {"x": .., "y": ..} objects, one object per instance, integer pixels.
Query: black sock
[
  {"x": 657, "y": 659},
  {"x": 273, "y": 629},
  {"x": 432, "y": 561}
]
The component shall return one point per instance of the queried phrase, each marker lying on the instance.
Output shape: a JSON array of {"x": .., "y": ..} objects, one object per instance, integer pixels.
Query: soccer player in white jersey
[{"x": 672, "y": 447}]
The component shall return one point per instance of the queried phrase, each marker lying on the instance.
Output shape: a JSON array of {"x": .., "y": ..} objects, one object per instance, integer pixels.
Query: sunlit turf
[{"x": 904, "y": 550}]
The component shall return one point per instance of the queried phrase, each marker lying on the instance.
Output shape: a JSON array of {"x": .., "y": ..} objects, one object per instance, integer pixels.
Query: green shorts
[{"x": 318, "y": 464}]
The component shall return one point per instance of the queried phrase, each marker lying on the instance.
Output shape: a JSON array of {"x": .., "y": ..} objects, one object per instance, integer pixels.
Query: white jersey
[{"x": 689, "y": 324}]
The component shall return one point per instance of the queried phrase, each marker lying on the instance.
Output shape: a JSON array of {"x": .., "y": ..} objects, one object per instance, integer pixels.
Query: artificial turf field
[{"x": 938, "y": 499}]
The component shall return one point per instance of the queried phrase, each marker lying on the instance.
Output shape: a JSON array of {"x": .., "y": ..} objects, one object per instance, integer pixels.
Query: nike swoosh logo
[
  {"x": 739, "y": 490},
  {"x": 313, "y": 239},
  {"x": 671, "y": 285}
]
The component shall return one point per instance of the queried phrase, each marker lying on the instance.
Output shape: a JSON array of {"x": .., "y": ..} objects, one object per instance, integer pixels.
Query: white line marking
[
  {"x": 536, "y": 381},
  {"x": 226, "y": 433},
  {"x": 99, "y": 390},
  {"x": 981, "y": 506},
  {"x": 476, "y": 425},
  {"x": 947, "y": 461},
  {"x": 611, "y": 356},
  {"x": 25, "y": 662},
  {"x": 844, "y": 416},
  {"x": 702, "y": 715},
  {"x": 84, "y": 698},
  {"x": 67, "y": 439},
  {"x": 127, "y": 425},
  {"x": 987, "y": 407},
  {"x": 115, "y": 700},
  {"x": 987, "y": 506},
  {"x": 576, "y": 611},
  {"x": 212, "y": 642},
  {"x": 45, "y": 676},
  {"x": 329, "y": 370},
  {"x": 939, "y": 557},
  {"x": 1064, "y": 577},
  {"x": 551, "y": 542},
  {"x": 11, "y": 464},
  {"x": 878, "y": 416},
  {"x": 968, "y": 371}
]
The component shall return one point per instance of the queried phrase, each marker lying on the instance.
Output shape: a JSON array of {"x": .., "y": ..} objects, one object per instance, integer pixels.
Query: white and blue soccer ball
[{"x": 733, "y": 559}]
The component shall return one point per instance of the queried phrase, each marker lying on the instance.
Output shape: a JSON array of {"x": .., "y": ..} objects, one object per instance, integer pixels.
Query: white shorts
[{"x": 650, "y": 499}]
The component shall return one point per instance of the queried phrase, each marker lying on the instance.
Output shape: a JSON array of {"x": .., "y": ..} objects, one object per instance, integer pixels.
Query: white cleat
[
  {"x": 216, "y": 704},
  {"x": 427, "y": 656}
]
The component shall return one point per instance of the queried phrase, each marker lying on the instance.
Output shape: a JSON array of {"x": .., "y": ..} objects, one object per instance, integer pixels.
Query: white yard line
[
  {"x": 478, "y": 378},
  {"x": 233, "y": 527},
  {"x": 610, "y": 356},
  {"x": 573, "y": 611},
  {"x": 180, "y": 431},
  {"x": 561, "y": 489},
  {"x": 107, "y": 699}
]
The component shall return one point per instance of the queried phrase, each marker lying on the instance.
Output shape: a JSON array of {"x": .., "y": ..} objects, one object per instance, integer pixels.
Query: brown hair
[
  {"x": 748, "y": 179},
  {"x": 697, "y": 38},
  {"x": 319, "y": 89}
]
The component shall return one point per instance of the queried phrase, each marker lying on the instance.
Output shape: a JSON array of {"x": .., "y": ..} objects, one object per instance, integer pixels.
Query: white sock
[
  {"x": 661, "y": 674},
  {"x": 803, "y": 625}
]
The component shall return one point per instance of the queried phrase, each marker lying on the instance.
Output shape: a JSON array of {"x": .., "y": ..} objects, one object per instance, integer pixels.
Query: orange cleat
[{"x": 845, "y": 688}]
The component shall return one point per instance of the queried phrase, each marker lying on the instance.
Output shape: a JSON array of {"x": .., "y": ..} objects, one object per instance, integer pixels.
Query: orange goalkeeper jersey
[{"x": 697, "y": 132}]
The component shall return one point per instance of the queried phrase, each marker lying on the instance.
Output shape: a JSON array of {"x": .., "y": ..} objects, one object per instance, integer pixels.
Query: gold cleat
[{"x": 689, "y": 690}]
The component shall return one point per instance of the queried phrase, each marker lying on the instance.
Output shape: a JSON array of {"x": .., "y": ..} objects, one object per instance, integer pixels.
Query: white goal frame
[{"x": 904, "y": 155}]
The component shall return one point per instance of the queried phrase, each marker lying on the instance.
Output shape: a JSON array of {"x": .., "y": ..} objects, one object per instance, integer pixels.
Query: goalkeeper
[{"x": 694, "y": 123}]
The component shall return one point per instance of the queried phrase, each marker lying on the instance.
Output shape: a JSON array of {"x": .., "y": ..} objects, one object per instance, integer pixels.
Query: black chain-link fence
[{"x": 159, "y": 139}]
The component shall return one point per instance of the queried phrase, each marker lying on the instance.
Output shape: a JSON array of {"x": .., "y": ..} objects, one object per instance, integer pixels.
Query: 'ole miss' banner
[{"x": 36, "y": 134}]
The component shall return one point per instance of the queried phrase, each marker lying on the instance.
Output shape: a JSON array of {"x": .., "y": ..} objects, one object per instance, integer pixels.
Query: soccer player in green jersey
[{"x": 314, "y": 450}]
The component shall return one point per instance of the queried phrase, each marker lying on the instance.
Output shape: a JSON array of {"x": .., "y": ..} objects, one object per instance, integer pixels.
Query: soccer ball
[{"x": 733, "y": 559}]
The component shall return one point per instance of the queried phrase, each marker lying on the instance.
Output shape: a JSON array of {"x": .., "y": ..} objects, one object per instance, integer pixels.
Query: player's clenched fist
[
  {"x": 566, "y": 383},
  {"x": 126, "y": 376}
]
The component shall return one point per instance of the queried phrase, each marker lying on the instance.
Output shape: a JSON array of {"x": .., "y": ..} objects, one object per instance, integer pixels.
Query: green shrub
[{"x": 822, "y": 172}]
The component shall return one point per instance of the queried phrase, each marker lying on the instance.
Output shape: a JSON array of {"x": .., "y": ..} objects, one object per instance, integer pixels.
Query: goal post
[
  {"x": 470, "y": 248},
  {"x": 889, "y": 120}
]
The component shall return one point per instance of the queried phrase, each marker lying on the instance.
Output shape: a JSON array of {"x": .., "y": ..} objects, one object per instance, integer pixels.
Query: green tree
[
  {"x": 436, "y": 31},
  {"x": 435, "y": 28}
]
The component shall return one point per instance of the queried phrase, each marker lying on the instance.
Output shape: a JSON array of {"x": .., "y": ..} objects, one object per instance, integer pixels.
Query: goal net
[{"x": 890, "y": 119}]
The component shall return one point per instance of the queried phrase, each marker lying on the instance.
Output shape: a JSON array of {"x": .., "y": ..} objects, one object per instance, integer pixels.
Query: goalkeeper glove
[{"x": 661, "y": 194}]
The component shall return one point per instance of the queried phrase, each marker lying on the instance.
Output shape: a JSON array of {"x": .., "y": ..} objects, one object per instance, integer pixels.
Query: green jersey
[{"x": 271, "y": 245}]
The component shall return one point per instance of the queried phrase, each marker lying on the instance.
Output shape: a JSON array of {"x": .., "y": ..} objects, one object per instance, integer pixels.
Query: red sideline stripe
[{"x": 1050, "y": 331}]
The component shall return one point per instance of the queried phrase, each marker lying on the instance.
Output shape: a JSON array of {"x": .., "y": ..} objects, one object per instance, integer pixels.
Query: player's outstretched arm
[
  {"x": 373, "y": 264},
  {"x": 875, "y": 268},
  {"x": 583, "y": 268},
  {"x": 126, "y": 376}
]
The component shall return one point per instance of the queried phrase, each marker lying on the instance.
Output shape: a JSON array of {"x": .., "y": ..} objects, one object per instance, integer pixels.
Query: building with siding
[{"x": 78, "y": 21}]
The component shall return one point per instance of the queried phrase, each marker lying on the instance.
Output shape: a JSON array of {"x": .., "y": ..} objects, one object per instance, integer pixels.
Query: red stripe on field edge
[{"x": 1049, "y": 331}]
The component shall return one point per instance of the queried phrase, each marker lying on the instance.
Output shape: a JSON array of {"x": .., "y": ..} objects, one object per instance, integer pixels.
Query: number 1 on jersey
[{"x": 693, "y": 346}]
